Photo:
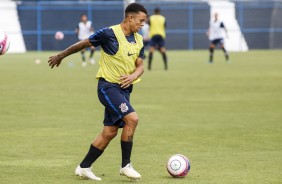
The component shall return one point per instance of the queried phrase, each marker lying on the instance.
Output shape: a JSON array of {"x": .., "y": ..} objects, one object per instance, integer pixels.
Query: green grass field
[{"x": 225, "y": 117}]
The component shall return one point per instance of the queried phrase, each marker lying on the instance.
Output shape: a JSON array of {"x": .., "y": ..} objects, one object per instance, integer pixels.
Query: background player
[
  {"x": 145, "y": 31},
  {"x": 84, "y": 30},
  {"x": 157, "y": 24},
  {"x": 216, "y": 37},
  {"x": 121, "y": 65}
]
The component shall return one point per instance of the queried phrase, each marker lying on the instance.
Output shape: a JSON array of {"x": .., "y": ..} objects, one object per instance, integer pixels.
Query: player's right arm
[{"x": 57, "y": 59}]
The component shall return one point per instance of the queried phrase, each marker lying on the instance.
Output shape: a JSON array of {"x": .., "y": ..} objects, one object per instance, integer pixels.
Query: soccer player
[
  {"x": 84, "y": 29},
  {"x": 121, "y": 65},
  {"x": 145, "y": 31},
  {"x": 216, "y": 35},
  {"x": 157, "y": 24}
]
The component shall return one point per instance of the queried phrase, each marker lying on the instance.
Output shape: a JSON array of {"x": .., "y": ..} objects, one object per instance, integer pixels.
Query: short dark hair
[
  {"x": 83, "y": 15},
  {"x": 135, "y": 8},
  {"x": 157, "y": 10}
]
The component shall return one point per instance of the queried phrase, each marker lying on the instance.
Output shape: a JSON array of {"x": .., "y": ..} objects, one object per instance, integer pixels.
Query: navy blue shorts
[
  {"x": 157, "y": 41},
  {"x": 217, "y": 41},
  {"x": 116, "y": 101},
  {"x": 146, "y": 43}
]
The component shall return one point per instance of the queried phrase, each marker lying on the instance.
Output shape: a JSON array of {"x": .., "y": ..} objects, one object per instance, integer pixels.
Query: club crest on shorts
[{"x": 123, "y": 107}]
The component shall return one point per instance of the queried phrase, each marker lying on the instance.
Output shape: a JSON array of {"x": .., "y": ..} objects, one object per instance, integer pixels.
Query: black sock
[
  {"x": 91, "y": 53},
  {"x": 225, "y": 53},
  {"x": 226, "y": 57},
  {"x": 83, "y": 56},
  {"x": 126, "y": 148},
  {"x": 211, "y": 54},
  {"x": 165, "y": 60},
  {"x": 150, "y": 61},
  {"x": 91, "y": 156}
]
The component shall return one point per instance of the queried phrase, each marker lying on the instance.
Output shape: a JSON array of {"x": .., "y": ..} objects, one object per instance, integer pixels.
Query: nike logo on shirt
[{"x": 130, "y": 54}]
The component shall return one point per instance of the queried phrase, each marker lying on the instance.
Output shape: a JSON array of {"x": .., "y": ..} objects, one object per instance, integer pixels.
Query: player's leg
[
  {"x": 151, "y": 52},
  {"x": 225, "y": 52},
  {"x": 99, "y": 145},
  {"x": 211, "y": 51},
  {"x": 153, "y": 46},
  {"x": 91, "y": 58},
  {"x": 95, "y": 151},
  {"x": 82, "y": 52},
  {"x": 131, "y": 121},
  {"x": 163, "y": 52}
]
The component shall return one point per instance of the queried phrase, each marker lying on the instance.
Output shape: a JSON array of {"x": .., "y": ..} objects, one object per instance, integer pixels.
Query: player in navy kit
[
  {"x": 121, "y": 65},
  {"x": 216, "y": 37}
]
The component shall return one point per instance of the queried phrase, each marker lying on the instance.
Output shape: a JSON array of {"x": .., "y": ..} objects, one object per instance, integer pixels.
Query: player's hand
[
  {"x": 54, "y": 61},
  {"x": 126, "y": 80}
]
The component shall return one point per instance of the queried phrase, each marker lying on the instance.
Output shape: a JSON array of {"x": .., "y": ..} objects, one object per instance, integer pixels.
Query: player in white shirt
[
  {"x": 84, "y": 30},
  {"x": 145, "y": 32},
  {"x": 216, "y": 37}
]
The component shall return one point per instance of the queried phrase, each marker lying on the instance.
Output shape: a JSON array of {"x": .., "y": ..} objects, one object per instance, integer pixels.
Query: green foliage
[{"x": 226, "y": 118}]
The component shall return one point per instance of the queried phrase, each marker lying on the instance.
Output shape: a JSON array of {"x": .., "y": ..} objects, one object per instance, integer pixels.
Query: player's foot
[
  {"x": 92, "y": 61},
  {"x": 86, "y": 173},
  {"x": 228, "y": 61},
  {"x": 129, "y": 172},
  {"x": 84, "y": 64},
  {"x": 210, "y": 62}
]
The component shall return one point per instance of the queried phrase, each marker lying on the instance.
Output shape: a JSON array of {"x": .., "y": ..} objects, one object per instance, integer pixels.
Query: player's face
[
  {"x": 137, "y": 21},
  {"x": 84, "y": 18}
]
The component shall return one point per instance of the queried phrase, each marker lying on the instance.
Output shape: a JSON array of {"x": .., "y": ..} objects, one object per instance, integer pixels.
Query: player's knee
[
  {"x": 133, "y": 121},
  {"x": 109, "y": 135}
]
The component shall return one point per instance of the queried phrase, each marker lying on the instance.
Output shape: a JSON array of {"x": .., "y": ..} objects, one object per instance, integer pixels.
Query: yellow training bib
[
  {"x": 157, "y": 25},
  {"x": 123, "y": 62}
]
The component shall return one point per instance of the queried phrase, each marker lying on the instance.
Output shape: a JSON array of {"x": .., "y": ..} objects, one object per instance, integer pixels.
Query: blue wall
[{"x": 187, "y": 22}]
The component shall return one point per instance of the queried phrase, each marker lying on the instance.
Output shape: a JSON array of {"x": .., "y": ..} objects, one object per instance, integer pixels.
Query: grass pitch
[{"x": 226, "y": 118}]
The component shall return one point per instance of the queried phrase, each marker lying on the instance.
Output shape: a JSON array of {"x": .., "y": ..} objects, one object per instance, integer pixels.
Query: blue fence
[{"x": 187, "y": 22}]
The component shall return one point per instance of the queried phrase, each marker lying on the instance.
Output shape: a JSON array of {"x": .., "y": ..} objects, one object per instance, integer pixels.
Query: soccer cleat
[
  {"x": 92, "y": 61},
  {"x": 83, "y": 64},
  {"x": 86, "y": 173},
  {"x": 228, "y": 61},
  {"x": 129, "y": 172}
]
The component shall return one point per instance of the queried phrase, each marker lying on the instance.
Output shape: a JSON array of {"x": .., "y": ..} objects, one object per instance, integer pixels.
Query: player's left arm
[
  {"x": 127, "y": 80},
  {"x": 223, "y": 26}
]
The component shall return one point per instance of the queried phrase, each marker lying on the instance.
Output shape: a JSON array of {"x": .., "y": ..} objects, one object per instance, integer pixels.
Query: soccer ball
[
  {"x": 4, "y": 43},
  {"x": 59, "y": 35},
  {"x": 178, "y": 166}
]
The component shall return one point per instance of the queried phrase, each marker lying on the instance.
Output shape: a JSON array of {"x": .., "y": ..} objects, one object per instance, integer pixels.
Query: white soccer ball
[
  {"x": 4, "y": 43},
  {"x": 178, "y": 166},
  {"x": 59, "y": 35}
]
